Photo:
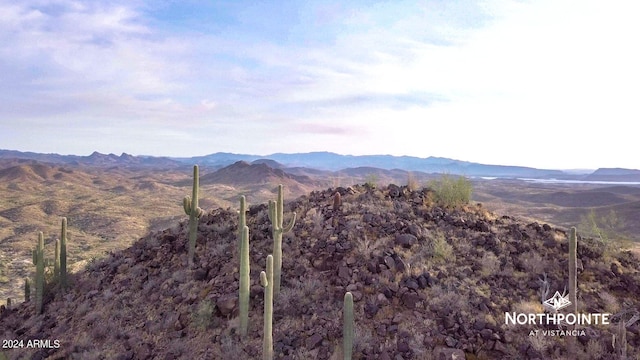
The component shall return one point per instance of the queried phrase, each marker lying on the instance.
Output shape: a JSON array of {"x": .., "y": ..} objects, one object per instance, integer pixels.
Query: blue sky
[{"x": 549, "y": 84}]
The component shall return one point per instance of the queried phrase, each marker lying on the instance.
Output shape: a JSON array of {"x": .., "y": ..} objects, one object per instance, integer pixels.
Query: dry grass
[
  {"x": 539, "y": 343},
  {"x": 611, "y": 303},
  {"x": 441, "y": 251},
  {"x": 490, "y": 264}
]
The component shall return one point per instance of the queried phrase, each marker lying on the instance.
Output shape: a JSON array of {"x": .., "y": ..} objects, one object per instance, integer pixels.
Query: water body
[
  {"x": 558, "y": 181},
  {"x": 563, "y": 181}
]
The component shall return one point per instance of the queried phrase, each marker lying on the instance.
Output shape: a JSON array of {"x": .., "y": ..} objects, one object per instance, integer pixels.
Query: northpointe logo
[{"x": 557, "y": 302}]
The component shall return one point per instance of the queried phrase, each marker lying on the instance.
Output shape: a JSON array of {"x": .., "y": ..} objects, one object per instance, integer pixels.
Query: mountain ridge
[{"x": 329, "y": 161}]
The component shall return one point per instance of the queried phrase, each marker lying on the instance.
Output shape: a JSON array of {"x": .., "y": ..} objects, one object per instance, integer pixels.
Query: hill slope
[{"x": 425, "y": 280}]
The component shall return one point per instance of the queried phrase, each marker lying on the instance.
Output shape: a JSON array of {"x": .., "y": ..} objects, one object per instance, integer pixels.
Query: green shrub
[
  {"x": 440, "y": 250},
  {"x": 451, "y": 191},
  {"x": 606, "y": 229},
  {"x": 203, "y": 315},
  {"x": 371, "y": 180}
]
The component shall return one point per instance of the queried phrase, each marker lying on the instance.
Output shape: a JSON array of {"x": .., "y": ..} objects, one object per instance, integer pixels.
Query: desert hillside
[
  {"x": 108, "y": 208},
  {"x": 427, "y": 281}
]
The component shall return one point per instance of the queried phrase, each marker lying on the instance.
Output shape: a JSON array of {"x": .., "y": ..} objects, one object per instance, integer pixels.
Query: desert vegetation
[
  {"x": 451, "y": 191},
  {"x": 375, "y": 272}
]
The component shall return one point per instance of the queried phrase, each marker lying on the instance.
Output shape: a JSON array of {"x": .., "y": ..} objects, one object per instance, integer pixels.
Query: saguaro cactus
[
  {"x": 573, "y": 270},
  {"x": 276, "y": 210},
  {"x": 244, "y": 281},
  {"x": 242, "y": 220},
  {"x": 63, "y": 254},
  {"x": 266, "y": 279},
  {"x": 348, "y": 326},
  {"x": 38, "y": 261},
  {"x": 191, "y": 208},
  {"x": 27, "y": 290}
]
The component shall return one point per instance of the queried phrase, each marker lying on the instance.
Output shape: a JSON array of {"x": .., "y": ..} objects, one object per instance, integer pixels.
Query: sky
[{"x": 541, "y": 83}]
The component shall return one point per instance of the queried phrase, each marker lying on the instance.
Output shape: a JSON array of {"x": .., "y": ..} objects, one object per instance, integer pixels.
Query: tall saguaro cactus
[
  {"x": 242, "y": 219},
  {"x": 63, "y": 254},
  {"x": 191, "y": 208},
  {"x": 266, "y": 279},
  {"x": 573, "y": 270},
  {"x": 348, "y": 326},
  {"x": 244, "y": 281},
  {"x": 38, "y": 261},
  {"x": 276, "y": 214}
]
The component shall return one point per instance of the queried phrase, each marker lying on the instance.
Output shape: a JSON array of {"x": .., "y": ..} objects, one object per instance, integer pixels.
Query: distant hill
[
  {"x": 243, "y": 173},
  {"x": 32, "y": 172},
  {"x": 271, "y": 163},
  {"x": 27, "y": 172},
  {"x": 614, "y": 174}
]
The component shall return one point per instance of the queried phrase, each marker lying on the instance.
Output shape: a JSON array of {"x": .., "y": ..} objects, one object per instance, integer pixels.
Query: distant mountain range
[{"x": 307, "y": 163}]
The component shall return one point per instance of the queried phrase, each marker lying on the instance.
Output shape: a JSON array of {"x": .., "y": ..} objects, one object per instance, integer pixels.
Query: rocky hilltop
[{"x": 428, "y": 283}]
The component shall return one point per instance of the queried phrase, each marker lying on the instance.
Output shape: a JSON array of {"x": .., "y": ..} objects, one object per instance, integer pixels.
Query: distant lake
[
  {"x": 560, "y": 181},
  {"x": 557, "y": 181}
]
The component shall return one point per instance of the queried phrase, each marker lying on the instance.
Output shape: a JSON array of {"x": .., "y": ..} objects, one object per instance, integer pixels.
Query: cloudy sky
[{"x": 549, "y": 84}]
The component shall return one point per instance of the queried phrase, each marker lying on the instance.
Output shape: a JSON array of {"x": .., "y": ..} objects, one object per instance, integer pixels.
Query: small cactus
[
  {"x": 191, "y": 208},
  {"x": 348, "y": 326},
  {"x": 244, "y": 281},
  {"x": 8, "y": 303},
  {"x": 38, "y": 261},
  {"x": 276, "y": 214},
  {"x": 266, "y": 279},
  {"x": 337, "y": 201}
]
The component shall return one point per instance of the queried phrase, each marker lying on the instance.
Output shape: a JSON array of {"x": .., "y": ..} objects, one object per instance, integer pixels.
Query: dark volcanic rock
[{"x": 406, "y": 240}]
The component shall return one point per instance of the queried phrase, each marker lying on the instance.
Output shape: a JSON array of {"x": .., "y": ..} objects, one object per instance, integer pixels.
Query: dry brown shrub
[
  {"x": 532, "y": 262},
  {"x": 490, "y": 264}
]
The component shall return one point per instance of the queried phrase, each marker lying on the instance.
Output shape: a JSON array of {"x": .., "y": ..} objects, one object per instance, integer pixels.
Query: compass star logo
[{"x": 557, "y": 302}]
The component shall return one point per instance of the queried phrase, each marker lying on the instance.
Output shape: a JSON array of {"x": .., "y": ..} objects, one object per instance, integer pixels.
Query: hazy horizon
[
  {"x": 568, "y": 170},
  {"x": 543, "y": 84}
]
